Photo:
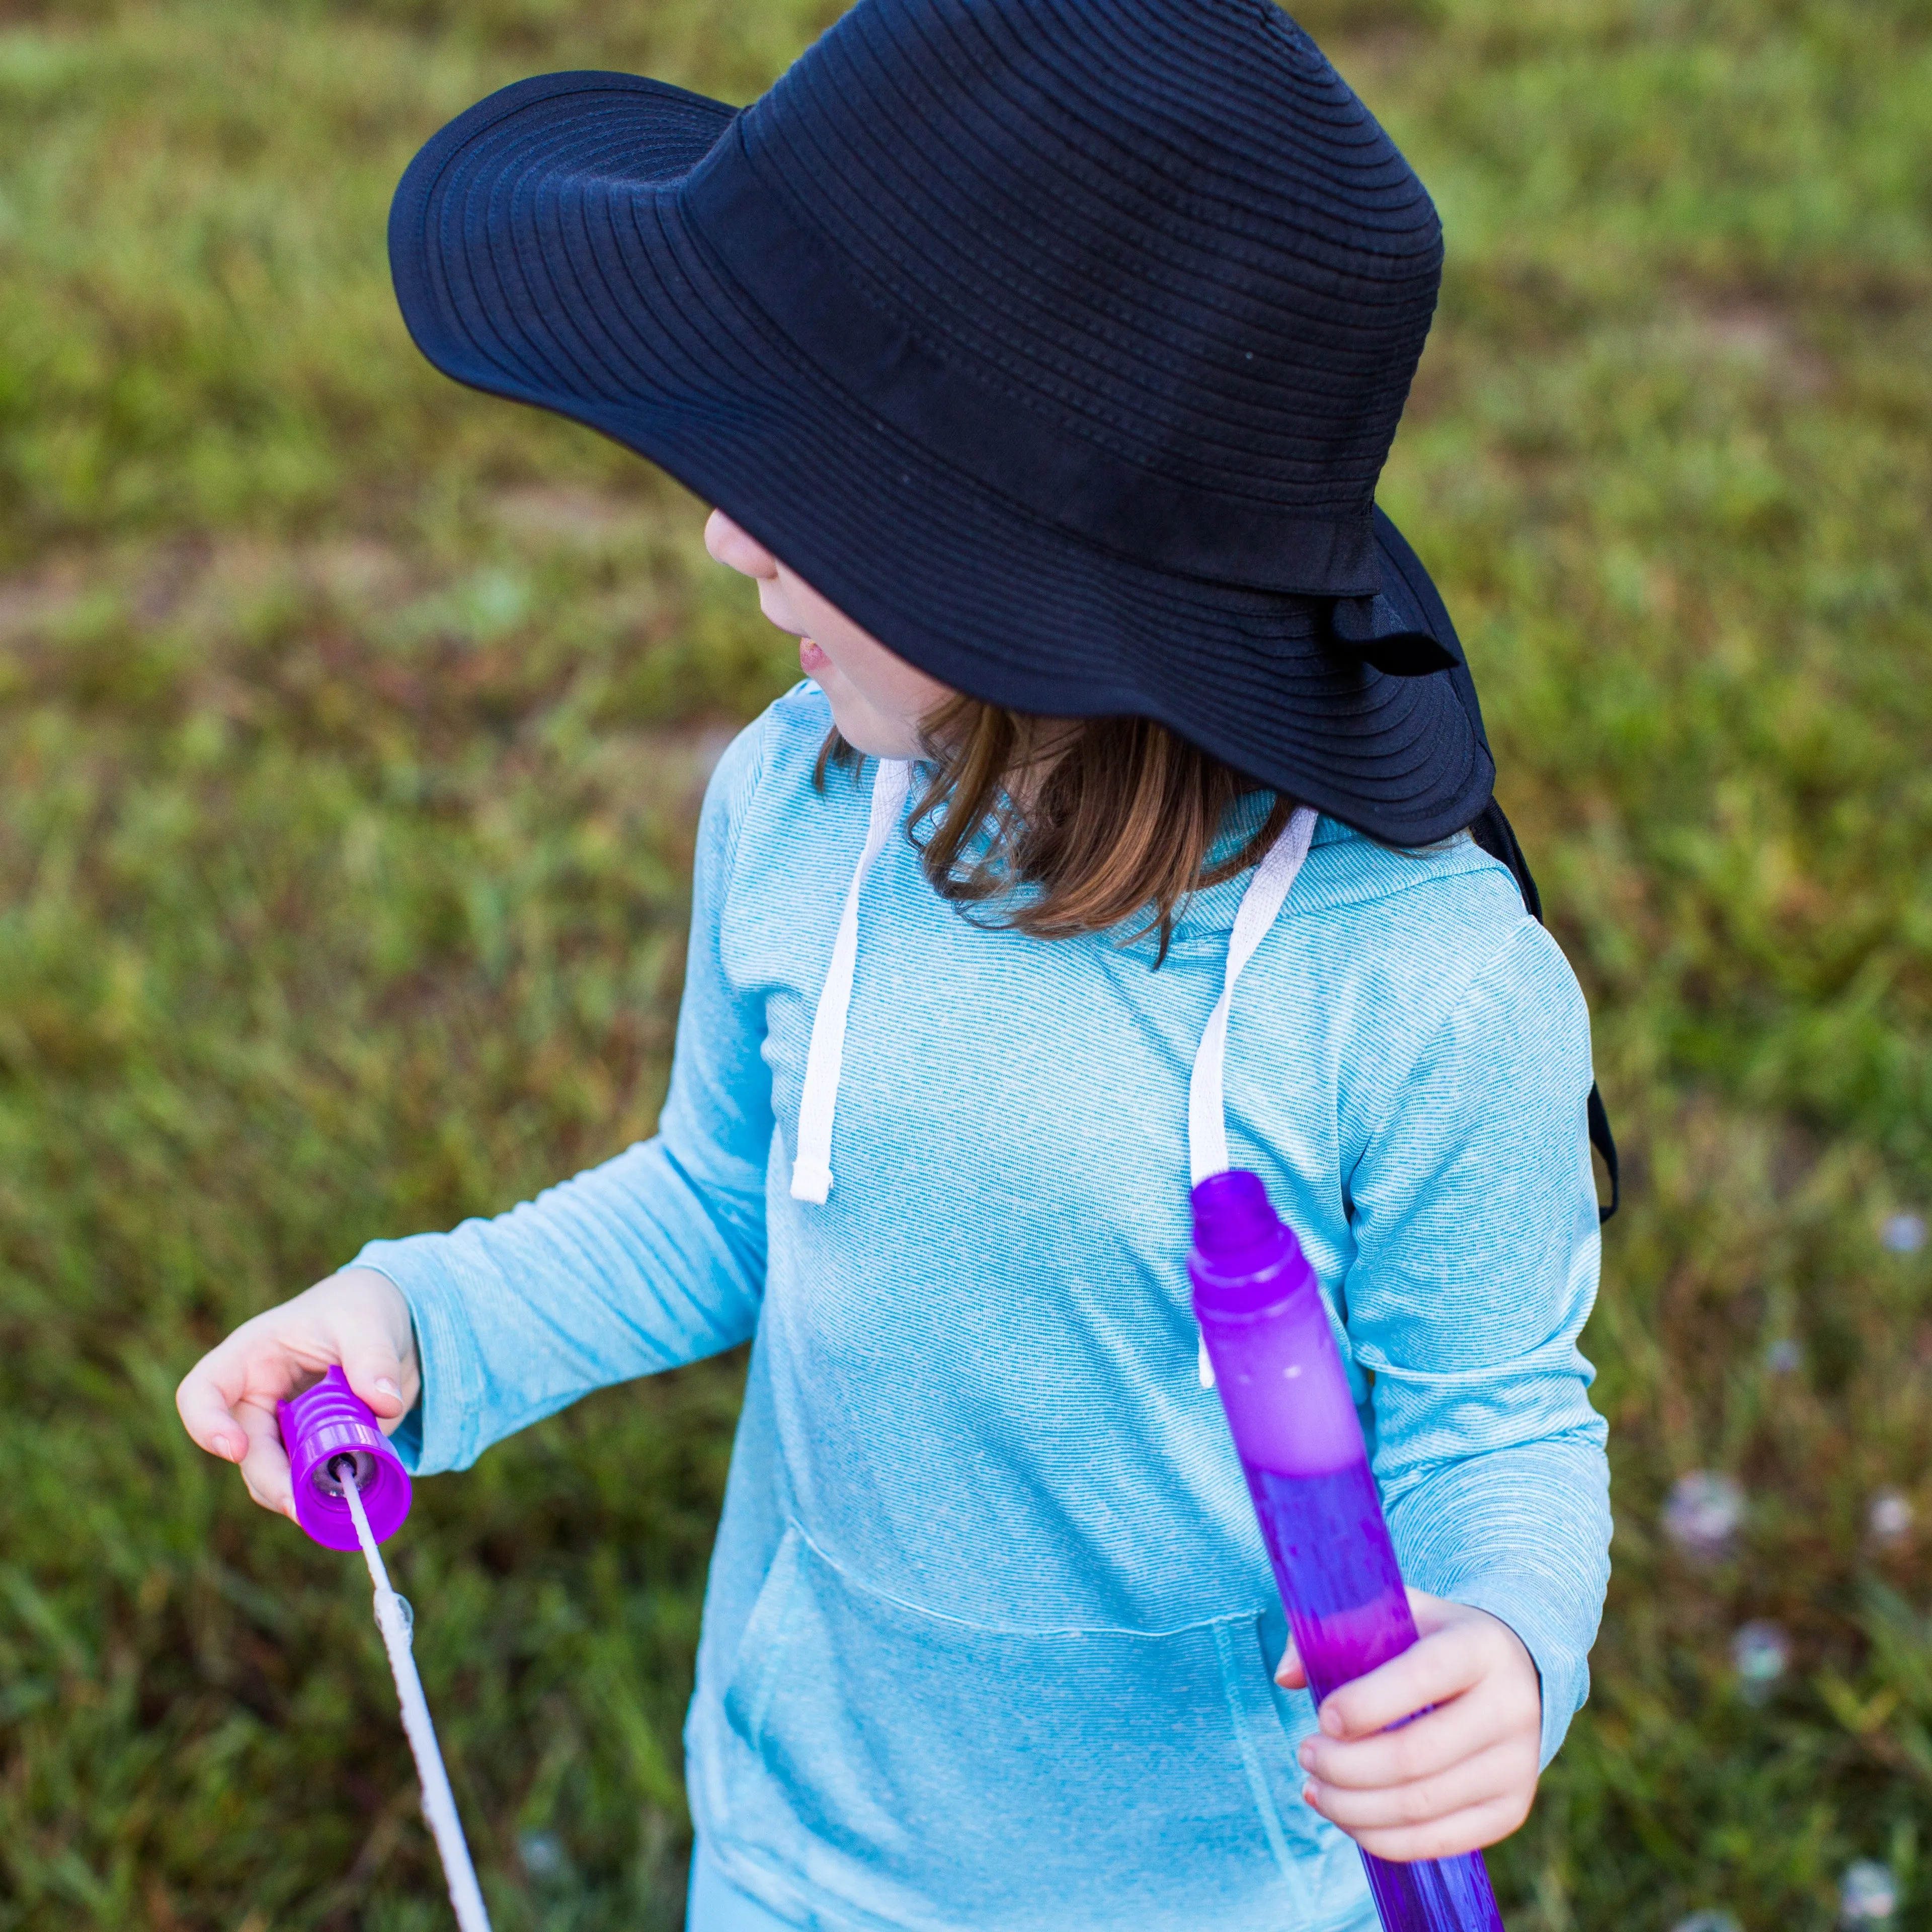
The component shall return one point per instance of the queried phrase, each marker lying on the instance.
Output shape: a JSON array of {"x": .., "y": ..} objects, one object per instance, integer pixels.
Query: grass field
[{"x": 351, "y": 731}]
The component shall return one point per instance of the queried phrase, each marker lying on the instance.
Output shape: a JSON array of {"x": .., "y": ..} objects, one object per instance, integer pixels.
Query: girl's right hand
[{"x": 227, "y": 1400}]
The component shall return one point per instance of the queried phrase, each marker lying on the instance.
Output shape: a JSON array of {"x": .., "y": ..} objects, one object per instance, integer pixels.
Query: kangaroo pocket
[{"x": 933, "y": 1772}]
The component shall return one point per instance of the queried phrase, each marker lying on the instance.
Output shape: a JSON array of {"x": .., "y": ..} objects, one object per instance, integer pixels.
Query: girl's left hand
[{"x": 1461, "y": 1777}]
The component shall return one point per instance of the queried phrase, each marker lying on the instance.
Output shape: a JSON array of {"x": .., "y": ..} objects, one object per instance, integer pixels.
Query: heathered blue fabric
[
  {"x": 712, "y": 1905},
  {"x": 987, "y": 1637}
]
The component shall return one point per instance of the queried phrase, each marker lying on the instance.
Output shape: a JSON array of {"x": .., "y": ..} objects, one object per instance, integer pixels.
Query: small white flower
[
  {"x": 1867, "y": 1894},
  {"x": 1903, "y": 1233},
  {"x": 1760, "y": 1654},
  {"x": 1703, "y": 1515},
  {"x": 1889, "y": 1518},
  {"x": 541, "y": 1853},
  {"x": 1785, "y": 1356}
]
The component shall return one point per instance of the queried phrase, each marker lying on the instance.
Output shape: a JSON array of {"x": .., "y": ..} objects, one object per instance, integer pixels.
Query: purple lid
[
  {"x": 320, "y": 1428},
  {"x": 1246, "y": 1259}
]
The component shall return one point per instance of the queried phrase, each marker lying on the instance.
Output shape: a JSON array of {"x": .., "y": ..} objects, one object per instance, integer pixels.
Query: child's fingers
[
  {"x": 1490, "y": 1777},
  {"x": 211, "y": 1393},
  {"x": 1441, "y": 1665},
  {"x": 358, "y": 1318},
  {"x": 265, "y": 1467},
  {"x": 203, "y": 1405},
  {"x": 1289, "y": 1673},
  {"x": 1450, "y": 1735},
  {"x": 1467, "y": 1830}
]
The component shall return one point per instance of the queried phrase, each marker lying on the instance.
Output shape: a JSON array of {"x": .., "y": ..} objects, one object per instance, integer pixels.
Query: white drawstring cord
[
  {"x": 811, "y": 1172},
  {"x": 394, "y": 1620},
  {"x": 1207, "y": 1112},
  {"x": 1207, "y": 1105}
]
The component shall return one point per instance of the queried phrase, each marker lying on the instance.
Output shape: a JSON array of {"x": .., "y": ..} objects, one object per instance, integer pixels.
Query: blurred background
[{"x": 352, "y": 729}]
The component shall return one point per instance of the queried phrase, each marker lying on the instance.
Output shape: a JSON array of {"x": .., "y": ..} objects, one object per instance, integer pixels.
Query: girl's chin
[{"x": 868, "y": 734}]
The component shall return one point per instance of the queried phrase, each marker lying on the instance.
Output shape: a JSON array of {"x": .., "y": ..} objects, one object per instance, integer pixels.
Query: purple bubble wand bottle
[
  {"x": 352, "y": 1491},
  {"x": 1293, "y": 1418}
]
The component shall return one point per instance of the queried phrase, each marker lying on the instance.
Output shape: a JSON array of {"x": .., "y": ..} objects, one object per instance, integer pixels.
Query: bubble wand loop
[
  {"x": 393, "y": 1619},
  {"x": 351, "y": 1491}
]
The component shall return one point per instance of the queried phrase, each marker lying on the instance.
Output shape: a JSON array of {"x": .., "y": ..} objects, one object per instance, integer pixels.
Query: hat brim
[{"x": 541, "y": 252}]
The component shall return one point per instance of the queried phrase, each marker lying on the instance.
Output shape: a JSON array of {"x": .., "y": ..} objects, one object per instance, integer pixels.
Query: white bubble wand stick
[{"x": 342, "y": 1464}]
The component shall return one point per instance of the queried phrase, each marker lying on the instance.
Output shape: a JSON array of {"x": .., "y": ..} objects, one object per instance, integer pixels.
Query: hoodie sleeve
[
  {"x": 655, "y": 1258},
  {"x": 1474, "y": 1209}
]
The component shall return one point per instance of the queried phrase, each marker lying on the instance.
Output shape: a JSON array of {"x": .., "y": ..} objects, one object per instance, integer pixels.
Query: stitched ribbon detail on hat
[{"x": 1392, "y": 641}]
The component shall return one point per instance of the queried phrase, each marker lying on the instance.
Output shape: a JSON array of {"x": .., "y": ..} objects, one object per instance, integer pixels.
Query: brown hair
[{"x": 1119, "y": 818}]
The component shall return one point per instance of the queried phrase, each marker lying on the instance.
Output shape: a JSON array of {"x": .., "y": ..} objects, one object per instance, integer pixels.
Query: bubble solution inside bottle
[
  {"x": 1292, "y": 1415},
  {"x": 1348, "y": 1613}
]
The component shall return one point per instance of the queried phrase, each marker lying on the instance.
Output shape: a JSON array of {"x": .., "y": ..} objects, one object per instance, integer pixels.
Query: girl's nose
[{"x": 738, "y": 548}]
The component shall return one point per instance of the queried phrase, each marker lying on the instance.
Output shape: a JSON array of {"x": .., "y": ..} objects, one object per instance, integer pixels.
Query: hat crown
[{"x": 1166, "y": 230}]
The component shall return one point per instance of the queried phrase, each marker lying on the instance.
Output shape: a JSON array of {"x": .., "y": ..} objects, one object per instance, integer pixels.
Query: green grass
[{"x": 352, "y": 730}]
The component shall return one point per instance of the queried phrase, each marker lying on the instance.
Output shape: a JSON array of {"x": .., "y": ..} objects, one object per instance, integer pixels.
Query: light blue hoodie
[{"x": 989, "y": 1632}]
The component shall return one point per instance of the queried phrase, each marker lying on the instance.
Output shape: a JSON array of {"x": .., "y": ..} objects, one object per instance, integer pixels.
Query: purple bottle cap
[
  {"x": 1246, "y": 1257},
  {"x": 321, "y": 1429}
]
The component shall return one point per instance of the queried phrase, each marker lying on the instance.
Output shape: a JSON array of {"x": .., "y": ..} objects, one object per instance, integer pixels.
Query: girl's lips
[{"x": 810, "y": 659}]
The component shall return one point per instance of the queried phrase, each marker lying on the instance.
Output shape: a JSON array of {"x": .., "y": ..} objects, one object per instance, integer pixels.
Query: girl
[{"x": 1042, "y": 355}]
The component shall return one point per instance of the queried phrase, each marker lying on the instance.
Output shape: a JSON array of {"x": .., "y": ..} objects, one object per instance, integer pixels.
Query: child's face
[{"x": 878, "y": 701}]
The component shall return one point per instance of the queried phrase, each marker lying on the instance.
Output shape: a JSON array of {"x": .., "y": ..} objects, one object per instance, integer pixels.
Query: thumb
[
  {"x": 375, "y": 1374},
  {"x": 1289, "y": 1673}
]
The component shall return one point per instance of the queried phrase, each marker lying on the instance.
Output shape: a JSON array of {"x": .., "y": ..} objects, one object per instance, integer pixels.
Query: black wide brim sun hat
[{"x": 1059, "y": 344}]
